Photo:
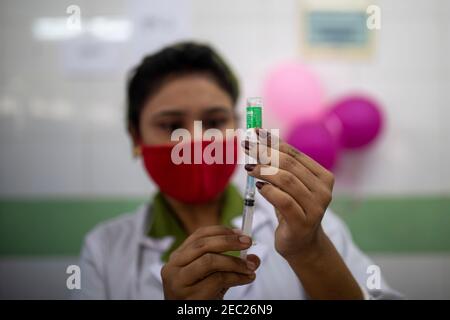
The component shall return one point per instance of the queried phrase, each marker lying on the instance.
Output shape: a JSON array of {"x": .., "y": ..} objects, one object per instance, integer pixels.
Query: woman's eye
[
  {"x": 215, "y": 123},
  {"x": 170, "y": 126}
]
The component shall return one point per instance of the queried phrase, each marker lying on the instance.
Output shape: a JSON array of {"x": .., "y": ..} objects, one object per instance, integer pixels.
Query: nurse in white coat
[{"x": 183, "y": 243}]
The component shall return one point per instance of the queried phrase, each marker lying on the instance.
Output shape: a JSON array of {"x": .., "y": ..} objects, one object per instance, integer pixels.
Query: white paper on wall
[
  {"x": 157, "y": 23},
  {"x": 87, "y": 55}
]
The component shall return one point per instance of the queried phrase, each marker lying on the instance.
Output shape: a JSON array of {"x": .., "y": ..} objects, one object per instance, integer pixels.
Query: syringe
[{"x": 254, "y": 120}]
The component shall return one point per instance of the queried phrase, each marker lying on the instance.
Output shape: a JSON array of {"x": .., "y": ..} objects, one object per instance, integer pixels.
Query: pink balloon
[
  {"x": 292, "y": 92},
  {"x": 361, "y": 120},
  {"x": 314, "y": 139}
]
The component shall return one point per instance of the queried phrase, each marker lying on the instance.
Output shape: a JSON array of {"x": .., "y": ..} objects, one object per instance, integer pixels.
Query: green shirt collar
[{"x": 164, "y": 222}]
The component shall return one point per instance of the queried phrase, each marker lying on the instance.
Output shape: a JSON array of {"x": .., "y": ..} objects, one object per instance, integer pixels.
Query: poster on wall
[
  {"x": 338, "y": 29},
  {"x": 108, "y": 45}
]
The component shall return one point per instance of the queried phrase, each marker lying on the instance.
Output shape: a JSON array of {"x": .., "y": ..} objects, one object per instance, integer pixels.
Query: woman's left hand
[{"x": 299, "y": 189}]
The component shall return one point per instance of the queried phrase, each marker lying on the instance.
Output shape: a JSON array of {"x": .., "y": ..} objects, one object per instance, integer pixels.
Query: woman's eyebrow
[
  {"x": 180, "y": 113},
  {"x": 170, "y": 113},
  {"x": 217, "y": 109}
]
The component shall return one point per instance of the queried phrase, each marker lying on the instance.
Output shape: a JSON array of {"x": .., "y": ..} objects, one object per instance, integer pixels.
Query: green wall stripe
[
  {"x": 53, "y": 227},
  {"x": 57, "y": 226},
  {"x": 398, "y": 224}
]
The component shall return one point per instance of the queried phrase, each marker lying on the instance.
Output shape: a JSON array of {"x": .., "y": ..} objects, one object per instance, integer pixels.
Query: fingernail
[
  {"x": 249, "y": 167},
  {"x": 237, "y": 231},
  {"x": 251, "y": 265},
  {"x": 259, "y": 184},
  {"x": 245, "y": 240}
]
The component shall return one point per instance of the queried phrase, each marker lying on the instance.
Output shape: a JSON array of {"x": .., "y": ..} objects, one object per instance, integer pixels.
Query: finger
[
  {"x": 254, "y": 259},
  {"x": 218, "y": 282},
  {"x": 265, "y": 137},
  {"x": 286, "y": 162},
  {"x": 214, "y": 244},
  {"x": 279, "y": 215},
  {"x": 208, "y": 231},
  {"x": 285, "y": 181},
  {"x": 287, "y": 207},
  {"x": 214, "y": 262}
]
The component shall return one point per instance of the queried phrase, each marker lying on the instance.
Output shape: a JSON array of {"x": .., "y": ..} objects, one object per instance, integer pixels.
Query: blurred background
[{"x": 66, "y": 160}]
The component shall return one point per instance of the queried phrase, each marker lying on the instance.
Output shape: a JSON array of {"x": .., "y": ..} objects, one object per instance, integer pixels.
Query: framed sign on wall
[{"x": 339, "y": 29}]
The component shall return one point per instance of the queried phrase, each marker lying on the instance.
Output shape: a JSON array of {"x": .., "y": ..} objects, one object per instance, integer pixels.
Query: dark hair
[{"x": 178, "y": 59}]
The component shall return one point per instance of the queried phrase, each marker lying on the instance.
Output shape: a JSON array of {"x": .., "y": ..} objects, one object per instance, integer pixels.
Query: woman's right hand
[{"x": 199, "y": 270}]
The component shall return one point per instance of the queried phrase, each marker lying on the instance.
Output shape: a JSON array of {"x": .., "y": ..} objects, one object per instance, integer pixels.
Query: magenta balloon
[
  {"x": 314, "y": 139},
  {"x": 292, "y": 92},
  {"x": 361, "y": 121}
]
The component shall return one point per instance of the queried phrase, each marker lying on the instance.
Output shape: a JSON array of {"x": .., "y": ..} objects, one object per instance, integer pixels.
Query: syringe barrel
[{"x": 254, "y": 120}]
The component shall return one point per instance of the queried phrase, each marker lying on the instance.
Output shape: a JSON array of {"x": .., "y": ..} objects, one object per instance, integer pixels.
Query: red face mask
[{"x": 196, "y": 179}]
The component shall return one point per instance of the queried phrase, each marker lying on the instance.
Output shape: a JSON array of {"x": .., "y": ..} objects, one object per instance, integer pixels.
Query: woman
[{"x": 181, "y": 244}]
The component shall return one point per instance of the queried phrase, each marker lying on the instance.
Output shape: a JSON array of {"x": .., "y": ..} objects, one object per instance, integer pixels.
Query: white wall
[{"x": 65, "y": 135}]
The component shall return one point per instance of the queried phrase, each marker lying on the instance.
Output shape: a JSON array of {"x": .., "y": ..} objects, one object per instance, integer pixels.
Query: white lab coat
[{"x": 119, "y": 260}]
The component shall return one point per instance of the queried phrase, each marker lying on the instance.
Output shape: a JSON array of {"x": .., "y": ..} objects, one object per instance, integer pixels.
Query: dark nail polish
[
  {"x": 259, "y": 184},
  {"x": 250, "y": 167}
]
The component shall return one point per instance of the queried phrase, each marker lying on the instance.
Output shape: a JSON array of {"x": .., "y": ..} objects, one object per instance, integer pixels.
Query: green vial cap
[{"x": 254, "y": 112}]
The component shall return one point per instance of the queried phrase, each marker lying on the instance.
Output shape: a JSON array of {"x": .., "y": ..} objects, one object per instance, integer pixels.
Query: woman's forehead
[{"x": 189, "y": 94}]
